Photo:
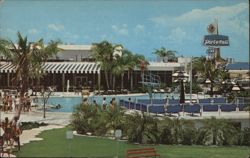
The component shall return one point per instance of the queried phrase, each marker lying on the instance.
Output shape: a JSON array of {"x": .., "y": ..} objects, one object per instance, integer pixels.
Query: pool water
[{"x": 68, "y": 103}]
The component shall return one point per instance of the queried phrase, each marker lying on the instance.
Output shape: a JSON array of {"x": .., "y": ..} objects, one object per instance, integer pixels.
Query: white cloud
[
  {"x": 33, "y": 31},
  {"x": 194, "y": 15},
  {"x": 121, "y": 30},
  {"x": 56, "y": 27},
  {"x": 231, "y": 18},
  {"x": 139, "y": 28},
  {"x": 177, "y": 35}
]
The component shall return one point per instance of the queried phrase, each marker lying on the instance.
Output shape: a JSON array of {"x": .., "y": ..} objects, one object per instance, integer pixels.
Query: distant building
[
  {"x": 75, "y": 64},
  {"x": 239, "y": 71}
]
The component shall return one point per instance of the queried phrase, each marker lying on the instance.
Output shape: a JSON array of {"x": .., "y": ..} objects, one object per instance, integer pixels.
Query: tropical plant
[
  {"x": 28, "y": 58},
  {"x": 219, "y": 131},
  {"x": 114, "y": 118},
  {"x": 88, "y": 119},
  {"x": 163, "y": 53},
  {"x": 206, "y": 69},
  {"x": 195, "y": 87},
  {"x": 142, "y": 128}
]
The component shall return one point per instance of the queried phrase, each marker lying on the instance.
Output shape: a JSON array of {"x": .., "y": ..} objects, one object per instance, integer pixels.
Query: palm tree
[
  {"x": 28, "y": 58},
  {"x": 163, "y": 52},
  {"x": 206, "y": 69},
  {"x": 103, "y": 53},
  {"x": 127, "y": 62}
]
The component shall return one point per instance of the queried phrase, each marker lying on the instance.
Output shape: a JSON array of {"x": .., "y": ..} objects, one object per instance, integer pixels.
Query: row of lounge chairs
[
  {"x": 111, "y": 92},
  {"x": 176, "y": 101},
  {"x": 159, "y": 107}
]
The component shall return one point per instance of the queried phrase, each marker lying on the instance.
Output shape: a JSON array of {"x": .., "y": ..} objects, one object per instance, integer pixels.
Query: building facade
[{"x": 74, "y": 68}]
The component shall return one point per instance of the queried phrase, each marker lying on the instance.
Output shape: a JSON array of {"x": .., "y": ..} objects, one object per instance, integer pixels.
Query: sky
[{"x": 141, "y": 26}]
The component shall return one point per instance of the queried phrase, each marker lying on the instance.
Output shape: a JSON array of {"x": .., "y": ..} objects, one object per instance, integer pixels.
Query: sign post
[
  {"x": 118, "y": 135},
  {"x": 69, "y": 136}
]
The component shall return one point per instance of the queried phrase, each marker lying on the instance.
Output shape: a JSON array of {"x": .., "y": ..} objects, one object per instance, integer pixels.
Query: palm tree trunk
[
  {"x": 211, "y": 90},
  {"x": 113, "y": 87},
  {"x": 111, "y": 80},
  {"x": 122, "y": 80},
  {"x": 106, "y": 78},
  {"x": 131, "y": 81}
]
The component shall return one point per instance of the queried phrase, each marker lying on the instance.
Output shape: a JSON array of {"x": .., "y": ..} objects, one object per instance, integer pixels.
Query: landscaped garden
[{"x": 55, "y": 144}]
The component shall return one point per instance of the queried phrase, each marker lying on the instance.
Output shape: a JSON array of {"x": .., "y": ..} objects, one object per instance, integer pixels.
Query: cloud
[
  {"x": 139, "y": 28},
  {"x": 177, "y": 35},
  {"x": 121, "y": 30},
  {"x": 33, "y": 31},
  {"x": 56, "y": 27},
  {"x": 231, "y": 18},
  {"x": 225, "y": 13}
]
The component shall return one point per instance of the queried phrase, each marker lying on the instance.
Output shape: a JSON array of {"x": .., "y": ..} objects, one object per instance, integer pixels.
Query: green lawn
[{"x": 55, "y": 144}]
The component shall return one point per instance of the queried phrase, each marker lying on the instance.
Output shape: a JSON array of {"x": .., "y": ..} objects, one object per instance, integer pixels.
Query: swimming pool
[{"x": 68, "y": 103}]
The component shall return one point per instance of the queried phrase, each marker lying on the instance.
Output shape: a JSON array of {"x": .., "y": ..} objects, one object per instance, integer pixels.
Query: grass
[{"x": 55, "y": 144}]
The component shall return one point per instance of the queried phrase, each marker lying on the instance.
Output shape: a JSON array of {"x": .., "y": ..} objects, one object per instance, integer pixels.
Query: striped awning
[{"x": 59, "y": 67}]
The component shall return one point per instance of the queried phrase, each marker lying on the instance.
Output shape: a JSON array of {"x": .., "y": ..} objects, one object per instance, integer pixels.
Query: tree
[
  {"x": 127, "y": 62},
  {"x": 28, "y": 58},
  {"x": 206, "y": 69},
  {"x": 114, "y": 66},
  {"x": 103, "y": 54},
  {"x": 163, "y": 52}
]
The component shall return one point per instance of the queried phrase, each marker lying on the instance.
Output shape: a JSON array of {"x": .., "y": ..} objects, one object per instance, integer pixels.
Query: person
[
  {"x": 94, "y": 102},
  {"x": 113, "y": 104},
  {"x": 17, "y": 131},
  {"x": 6, "y": 125},
  {"x": 104, "y": 103},
  {"x": 58, "y": 106},
  {"x": 129, "y": 100},
  {"x": 166, "y": 105},
  {"x": 85, "y": 102},
  {"x": 17, "y": 101},
  {"x": 28, "y": 103}
]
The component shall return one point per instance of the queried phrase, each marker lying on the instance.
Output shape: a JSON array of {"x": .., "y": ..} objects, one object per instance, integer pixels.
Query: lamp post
[{"x": 181, "y": 75}]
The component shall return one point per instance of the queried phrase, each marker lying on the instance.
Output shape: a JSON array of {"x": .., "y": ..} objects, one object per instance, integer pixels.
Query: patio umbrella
[{"x": 236, "y": 88}]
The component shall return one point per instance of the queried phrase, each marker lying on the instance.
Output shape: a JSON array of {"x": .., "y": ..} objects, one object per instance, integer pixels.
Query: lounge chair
[
  {"x": 192, "y": 108},
  {"x": 209, "y": 107},
  {"x": 228, "y": 107}
]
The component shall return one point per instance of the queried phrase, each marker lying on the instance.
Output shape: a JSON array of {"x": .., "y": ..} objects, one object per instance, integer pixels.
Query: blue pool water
[{"x": 68, "y": 103}]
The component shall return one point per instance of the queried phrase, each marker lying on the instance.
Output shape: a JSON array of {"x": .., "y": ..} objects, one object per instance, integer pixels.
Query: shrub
[{"x": 31, "y": 125}]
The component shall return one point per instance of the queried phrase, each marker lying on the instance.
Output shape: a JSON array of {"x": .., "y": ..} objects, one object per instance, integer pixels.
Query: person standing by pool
[
  {"x": 85, "y": 102},
  {"x": 113, "y": 104},
  {"x": 104, "y": 103},
  {"x": 129, "y": 100}
]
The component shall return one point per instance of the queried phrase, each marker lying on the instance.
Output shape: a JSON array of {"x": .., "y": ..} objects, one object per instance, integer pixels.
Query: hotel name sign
[{"x": 216, "y": 40}]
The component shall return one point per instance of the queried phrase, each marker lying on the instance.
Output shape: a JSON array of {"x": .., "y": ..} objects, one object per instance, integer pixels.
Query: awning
[{"x": 58, "y": 67}]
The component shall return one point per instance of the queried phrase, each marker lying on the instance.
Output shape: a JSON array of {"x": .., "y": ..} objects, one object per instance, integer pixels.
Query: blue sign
[{"x": 216, "y": 40}]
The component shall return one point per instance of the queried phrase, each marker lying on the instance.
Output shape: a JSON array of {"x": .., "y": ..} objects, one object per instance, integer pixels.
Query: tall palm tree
[
  {"x": 127, "y": 62},
  {"x": 103, "y": 53},
  {"x": 206, "y": 69},
  {"x": 28, "y": 58},
  {"x": 163, "y": 52}
]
